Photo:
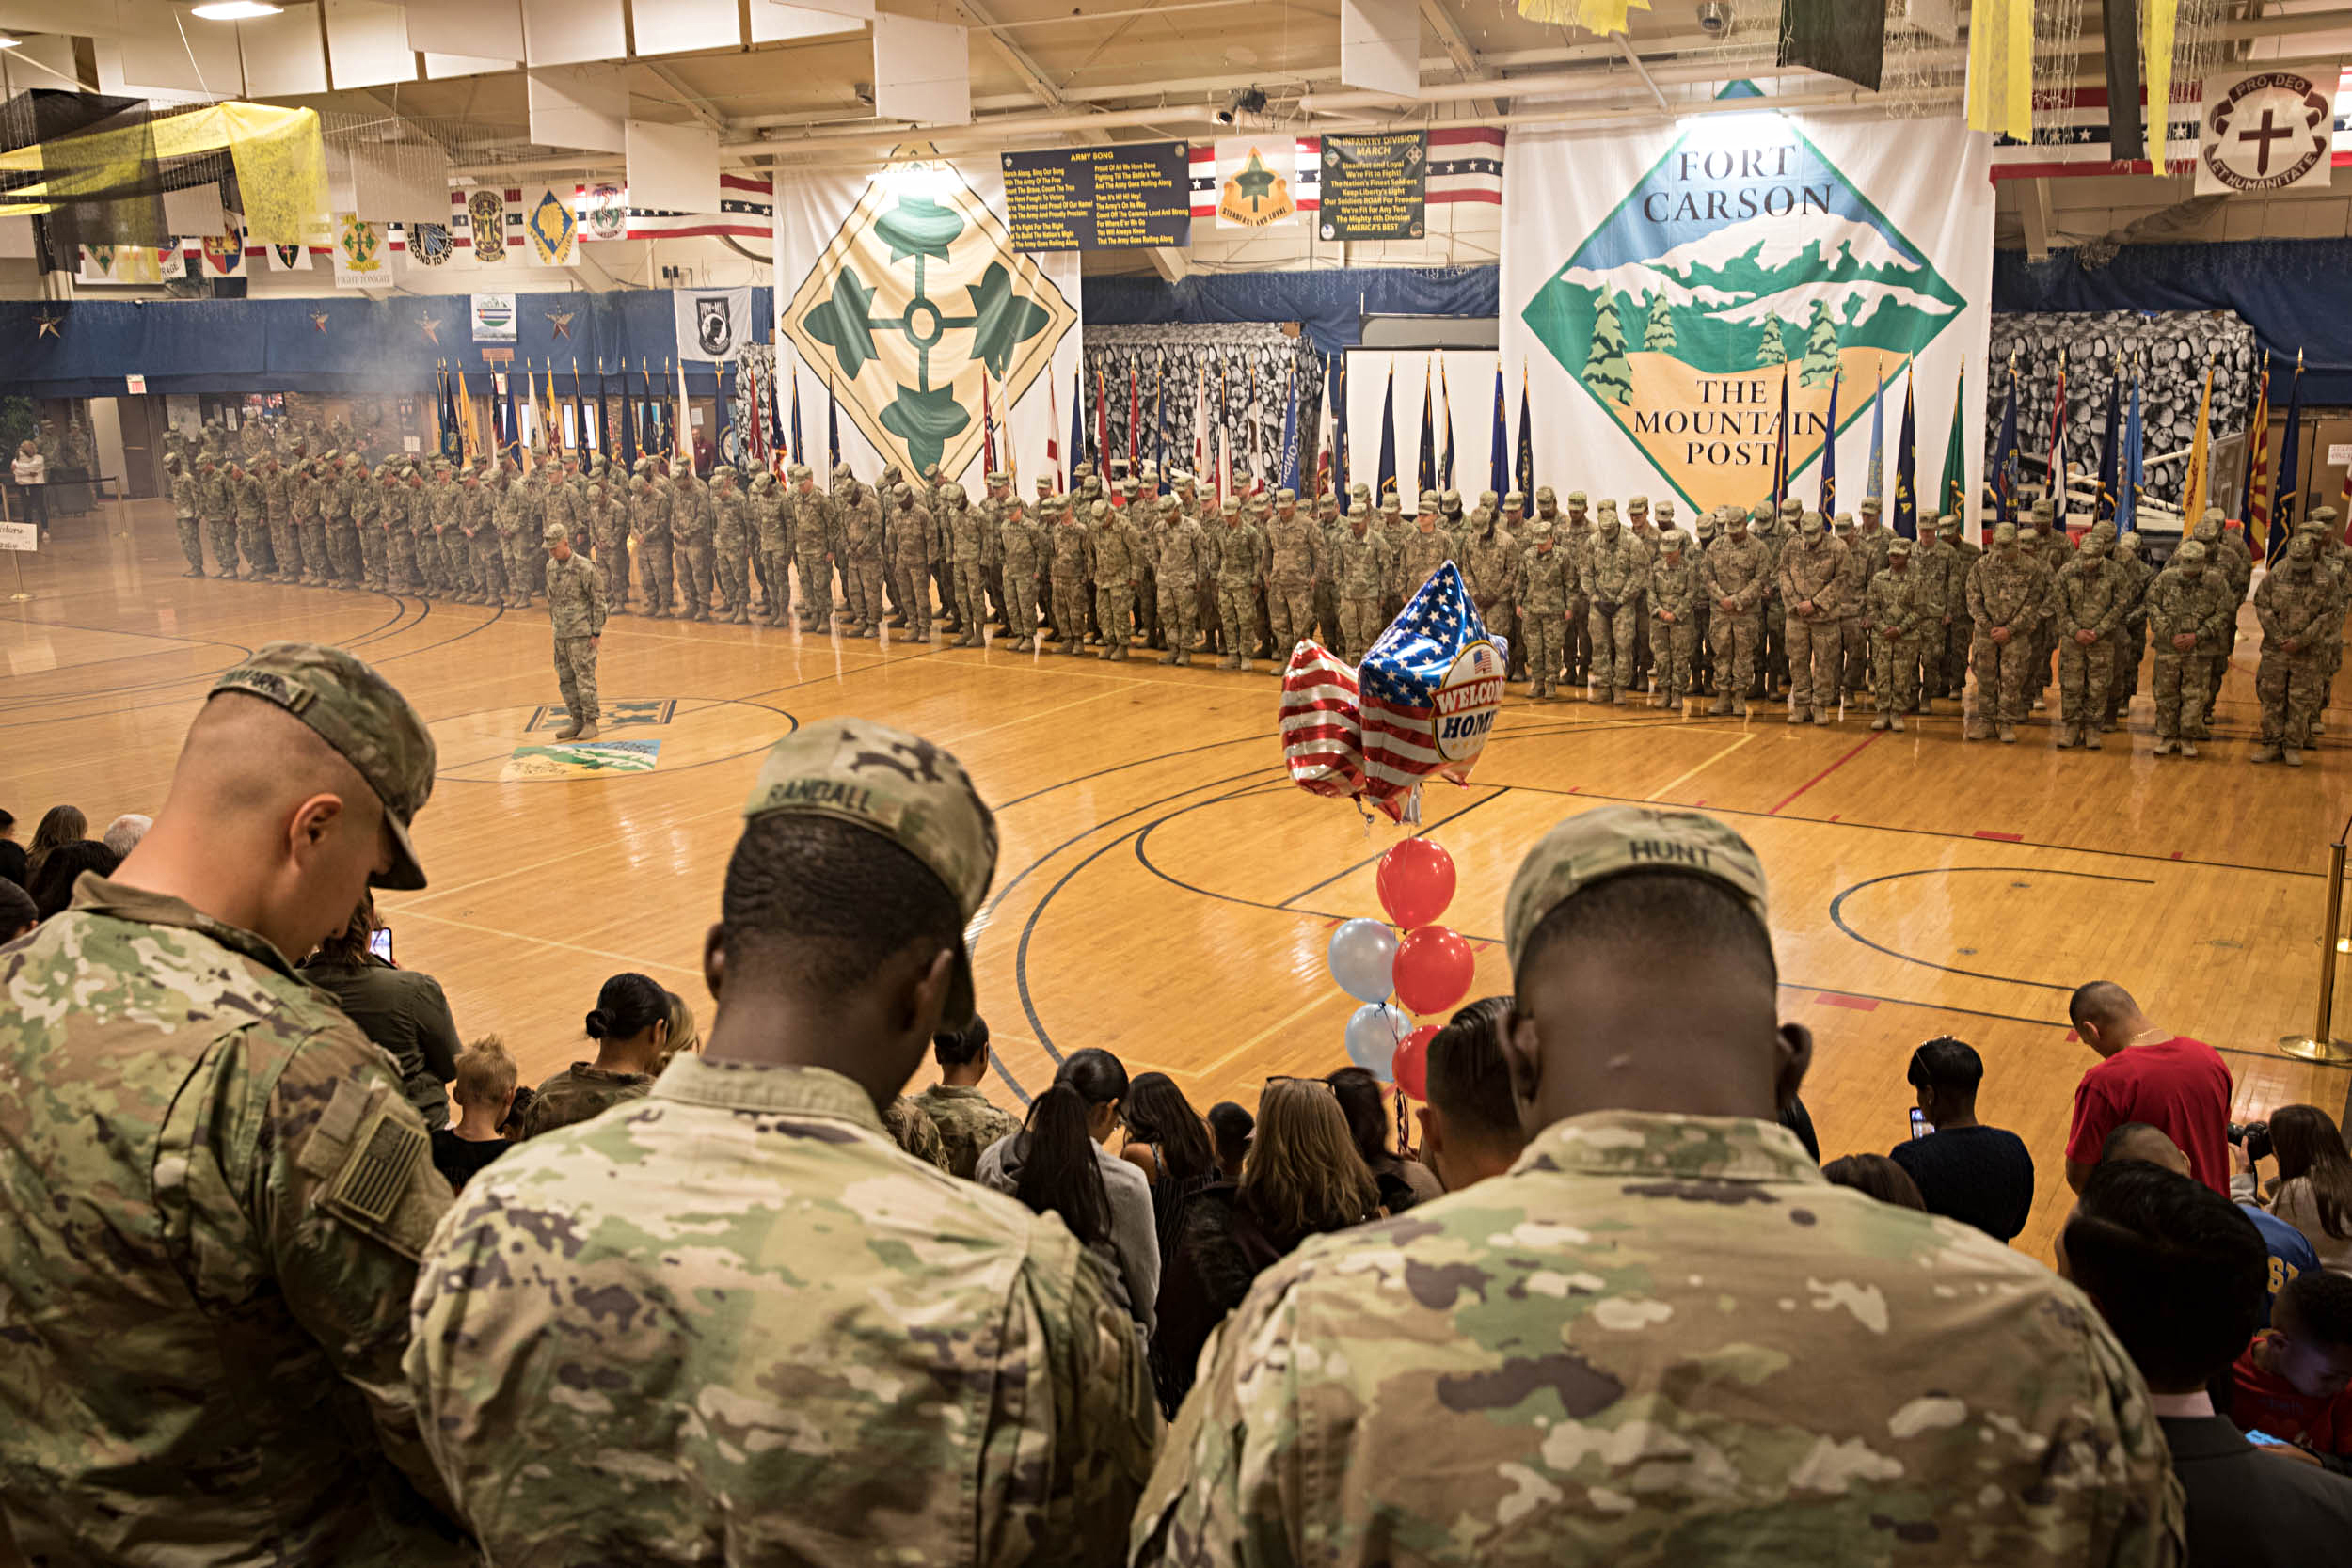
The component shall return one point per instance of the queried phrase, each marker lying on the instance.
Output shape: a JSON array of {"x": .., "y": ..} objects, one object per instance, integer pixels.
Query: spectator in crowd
[
  {"x": 2178, "y": 1274},
  {"x": 1230, "y": 1128},
  {"x": 914, "y": 1131},
  {"x": 1503, "y": 1374},
  {"x": 400, "y": 1009},
  {"x": 630, "y": 1025},
  {"x": 1792, "y": 1114},
  {"x": 967, "y": 1122},
  {"x": 31, "y": 470},
  {"x": 2171, "y": 1081},
  {"x": 123, "y": 833},
  {"x": 1878, "y": 1175},
  {"x": 2314, "y": 1190},
  {"x": 202, "y": 1342},
  {"x": 7, "y": 826},
  {"x": 1471, "y": 1127},
  {"x": 799, "y": 1344},
  {"x": 684, "y": 1035},
  {"x": 17, "y": 914},
  {"x": 1167, "y": 1141},
  {"x": 2136, "y": 1140},
  {"x": 58, "y": 825},
  {"x": 2294, "y": 1382},
  {"x": 484, "y": 1091},
  {"x": 53, "y": 878},
  {"x": 1404, "y": 1182},
  {"x": 13, "y": 856},
  {"x": 1099, "y": 1081},
  {"x": 1963, "y": 1168},
  {"x": 1303, "y": 1179},
  {"x": 2290, "y": 1254}
]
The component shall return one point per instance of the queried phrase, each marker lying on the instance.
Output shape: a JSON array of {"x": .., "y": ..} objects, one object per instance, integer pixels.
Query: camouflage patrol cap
[
  {"x": 1612, "y": 841},
  {"x": 2322, "y": 514},
  {"x": 1899, "y": 545},
  {"x": 1761, "y": 512},
  {"x": 2128, "y": 545},
  {"x": 1451, "y": 499},
  {"x": 841, "y": 471},
  {"x": 902, "y": 787},
  {"x": 1515, "y": 502},
  {"x": 1286, "y": 497},
  {"x": 1665, "y": 510},
  {"x": 952, "y": 492},
  {"x": 1576, "y": 497},
  {"x": 931, "y": 470},
  {"x": 1544, "y": 493},
  {"x": 1543, "y": 531},
  {"x": 1230, "y": 506},
  {"x": 1045, "y": 485},
  {"x": 1608, "y": 506},
  {"x": 1706, "y": 527},
  {"x": 1870, "y": 506},
  {"x": 1488, "y": 498},
  {"x": 2212, "y": 515},
  {"x": 358, "y": 713},
  {"x": 997, "y": 476},
  {"x": 2042, "y": 511},
  {"x": 554, "y": 533},
  {"x": 1429, "y": 501},
  {"x": 1844, "y": 524},
  {"x": 1637, "y": 504},
  {"x": 1791, "y": 506},
  {"x": 1392, "y": 504},
  {"x": 1948, "y": 523},
  {"x": 902, "y": 491},
  {"x": 2005, "y": 534},
  {"x": 1672, "y": 539},
  {"x": 2096, "y": 545},
  {"x": 2189, "y": 554}
]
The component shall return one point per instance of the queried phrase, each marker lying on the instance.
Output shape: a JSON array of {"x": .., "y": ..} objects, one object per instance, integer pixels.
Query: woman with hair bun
[{"x": 630, "y": 1025}]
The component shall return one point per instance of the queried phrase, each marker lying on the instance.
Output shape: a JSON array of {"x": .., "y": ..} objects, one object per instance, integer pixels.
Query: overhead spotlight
[
  {"x": 7, "y": 42},
  {"x": 235, "y": 10},
  {"x": 1244, "y": 101},
  {"x": 1714, "y": 19}
]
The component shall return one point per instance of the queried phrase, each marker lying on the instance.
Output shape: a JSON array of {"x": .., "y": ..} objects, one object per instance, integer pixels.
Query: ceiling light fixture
[
  {"x": 235, "y": 10},
  {"x": 1241, "y": 102},
  {"x": 7, "y": 42}
]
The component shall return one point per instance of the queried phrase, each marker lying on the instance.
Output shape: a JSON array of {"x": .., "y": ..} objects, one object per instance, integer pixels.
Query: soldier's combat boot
[
  {"x": 2189, "y": 748},
  {"x": 193, "y": 572},
  {"x": 1740, "y": 707},
  {"x": 569, "y": 731},
  {"x": 2294, "y": 756},
  {"x": 1184, "y": 659},
  {"x": 1721, "y": 705},
  {"x": 1797, "y": 715},
  {"x": 1879, "y": 722},
  {"x": 2008, "y": 735},
  {"x": 1896, "y": 724},
  {"x": 587, "y": 730},
  {"x": 1978, "y": 732},
  {"x": 2066, "y": 739},
  {"x": 1231, "y": 661},
  {"x": 743, "y": 617},
  {"x": 1168, "y": 658}
]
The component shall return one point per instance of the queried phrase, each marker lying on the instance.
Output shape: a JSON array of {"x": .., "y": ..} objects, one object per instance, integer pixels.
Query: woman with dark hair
[
  {"x": 1167, "y": 1141},
  {"x": 1302, "y": 1178},
  {"x": 1878, "y": 1175},
  {"x": 2314, "y": 1190},
  {"x": 54, "y": 874},
  {"x": 1048, "y": 1169},
  {"x": 59, "y": 826},
  {"x": 400, "y": 1009},
  {"x": 1403, "y": 1181},
  {"x": 630, "y": 1025}
]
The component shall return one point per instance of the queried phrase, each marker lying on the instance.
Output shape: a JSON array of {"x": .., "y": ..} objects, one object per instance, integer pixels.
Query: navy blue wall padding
[
  {"x": 369, "y": 345},
  {"x": 1332, "y": 304},
  {"x": 2296, "y": 294}
]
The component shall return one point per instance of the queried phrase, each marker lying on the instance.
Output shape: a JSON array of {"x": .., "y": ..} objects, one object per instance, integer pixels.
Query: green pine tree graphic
[
  {"x": 1820, "y": 348},
  {"x": 1605, "y": 369}
]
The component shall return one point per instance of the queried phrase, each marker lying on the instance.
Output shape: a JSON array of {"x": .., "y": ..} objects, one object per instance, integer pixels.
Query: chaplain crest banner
[
  {"x": 907, "y": 306},
  {"x": 1661, "y": 285}
]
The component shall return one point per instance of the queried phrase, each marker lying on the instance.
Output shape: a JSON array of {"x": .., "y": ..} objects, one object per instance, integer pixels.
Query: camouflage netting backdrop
[{"x": 1247, "y": 366}]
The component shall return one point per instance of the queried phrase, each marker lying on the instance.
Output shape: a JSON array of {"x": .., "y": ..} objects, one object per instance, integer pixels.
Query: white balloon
[
  {"x": 1362, "y": 955},
  {"x": 1374, "y": 1033}
]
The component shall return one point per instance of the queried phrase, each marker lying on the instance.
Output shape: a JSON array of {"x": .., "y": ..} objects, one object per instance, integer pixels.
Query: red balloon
[
  {"x": 1412, "y": 1062},
  {"x": 1434, "y": 968},
  {"x": 1415, "y": 881}
]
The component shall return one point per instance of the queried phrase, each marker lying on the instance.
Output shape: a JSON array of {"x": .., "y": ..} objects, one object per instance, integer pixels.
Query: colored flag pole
[
  {"x": 1876, "y": 485},
  {"x": 2055, "y": 470},
  {"x": 1224, "y": 431},
  {"x": 1780, "y": 444},
  {"x": 1427, "y": 471},
  {"x": 2135, "y": 473},
  {"x": 1341, "y": 466},
  {"x": 1103, "y": 428},
  {"x": 1388, "y": 437},
  {"x": 1953, "y": 488},
  {"x": 1135, "y": 415},
  {"x": 988, "y": 429},
  {"x": 1829, "y": 451},
  {"x": 1445, "y": 404},
  {"x": 1062, "y": 477},
  {"x": 1906, "y": 466},
  {"x": 2199, "y": 480},
  {"x": 681, "y": 433},
  {"x": 1288, "y": 461},
  {"x": 580, "y": 413},
  {"x": 833, "y": 430},
  {"x": 2112, "y": 445},
  {"x": 2254, "y": 510},
  {"x": 2001, "y": 483},
  {"x": 1499, "y": 458},
  {"x": 1526, "y": 474},
  {"x": 514, "y": 426},
  {"x": 2287, "y": 504}
]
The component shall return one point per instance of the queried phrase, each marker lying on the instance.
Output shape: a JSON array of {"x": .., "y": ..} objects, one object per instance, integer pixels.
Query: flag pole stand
[{"x": 2319, "y": 1045}]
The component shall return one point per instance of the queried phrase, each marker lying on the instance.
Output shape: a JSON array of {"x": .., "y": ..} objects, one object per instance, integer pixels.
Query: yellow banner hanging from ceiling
[
  {"x": 281, "y": 161},
  {"x": 2000, "y": 68}
]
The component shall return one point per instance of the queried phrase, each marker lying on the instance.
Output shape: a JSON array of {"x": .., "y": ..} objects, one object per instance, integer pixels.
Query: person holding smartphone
[
  {"x": 400, "y": 1009},
  {"x": 1964, "y": 1169}
]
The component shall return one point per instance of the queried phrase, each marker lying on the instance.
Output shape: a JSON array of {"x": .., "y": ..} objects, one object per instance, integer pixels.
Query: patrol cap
[
  {"x": 358, "y": 713},
  {"x": 1871, "y": 505},
  {"x": 902, "y": 491},
  {"x": 1429, "y": 501},
  {"x": 1488, "y": 498},
  {"x": 1392, "y": 504},
  {"x": 1045, "y": 485},
  {"x": 1899, "y": 545},
  {"x": 1706, "y": 527},
  {"x": 1576, "y": 497},
  {"x": 902, "y": 787},
  {"x": 1666, "y": 508},
  {"x": 1612, "y": 841},
  {"x": 1450, "y": 499},
  {"x": 1230, "y": 506},
  {"x": 997, "y": 476},
  {"x": 1948, "y": 523},
  {"x": 1544, "y": 493},
  {"x": 2005, "y": 533},
  {"x": 2041, "y": 511},
  {"x": 554, "y": 533},
  {"x": 2190, "y": 554},
  {"x": 1637, "y": 504},
  {"x": 1761, "y": 512},
  {"x": 1844, "y": 523},
  {"x": 1515, "y": 502},
  {"x": 1672, "y": 539},
  {"x": 2320, "y": 514}
]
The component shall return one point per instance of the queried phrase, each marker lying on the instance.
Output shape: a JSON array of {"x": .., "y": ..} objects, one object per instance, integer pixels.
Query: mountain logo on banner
[
  {"x": 917, "y": 300},
  {"x": 431, "y": 245},
  {"x": 486, "y": 217},
  {"x": 604, "y": 212},
  {"x": 1723, "y": 263}
]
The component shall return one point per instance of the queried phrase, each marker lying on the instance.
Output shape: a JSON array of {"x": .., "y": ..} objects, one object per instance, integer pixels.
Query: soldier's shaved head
[{"x": 2105, "y": 1015}]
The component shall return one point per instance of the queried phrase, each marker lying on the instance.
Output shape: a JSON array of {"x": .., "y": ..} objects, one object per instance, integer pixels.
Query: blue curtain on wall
[
  {"x": 330, "y": 344},
  {"x": 1332, "y": 304},
  {"x": 2291, "y": 290}
]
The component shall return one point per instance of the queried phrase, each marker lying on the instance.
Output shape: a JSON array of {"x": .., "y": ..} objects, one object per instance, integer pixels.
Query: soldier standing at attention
[
  {"x": 991, "y": 514},
  {"x": 2298, "y": 609},
  {"x": 576, "y": 612},
  {"x": 607, "y": 517},
  {"x": 1071, "y": 558},
  {"x": 399, "y": 539},
  {"x": 184, "y": 512},
  {"x": 1360, "y": 570},
  {"x": 477, "y": 536},
  {"x": 1736, "y": 576},
  {"x": 1931, "y": 563},
  {"x": 367, "y": 516},
  {"x": 860, "y": 510},
  {"x": 513, "y": 519},
  {"x": 1895, "y": 607},
  {"x": 278, "y": 518},
  {"x": 200, "y": 1340},
  {"x": 1547, "y": 577},
  {"x": 690, "y": 543},
  {"x": 1177, "y": 553},
  {"x": 428, "y": 512},
  {"x": 2221, "y": 574},
  {"x": 1812, "y": 573},
  {"x": 2004, "y": 608},
  {"x": 907, "y": 529},
  {"x": 967, "y": 529},
  {"x": 967, "y": 1122},
  {"x": 2189, "y": 613},
  {"x": 309, "y": 486},
  {"x": 1241, "y": 561},
  {"x": 772, "y": 533},
  {"x": 1853, "y": 633},
  {"x": 1961, "y": 632},
  {"x": 1639, "y": 534},
  {"x": 1455, "y": 1402},
  {"x": 251, "y": 504},
  {"x": 910, "y": 1365},
  {"x": 812, "y": 529},
  {"x": 2091, "y": 607},
  {"x": 1490, "y": 569},
  {"x": 1426, "y": 547},
  {"x": 1611, "y": 573},
  {"x": 731, "y": 542},
  {"x": 1118, "y": 561},
  {"x": 338, "y": 497},
  {"x": 1021, "y": 545},
  {"x": 1294, "y": 558},
  {"x": 1672, "y": 597},
  {"x": 650, "y": 522}
]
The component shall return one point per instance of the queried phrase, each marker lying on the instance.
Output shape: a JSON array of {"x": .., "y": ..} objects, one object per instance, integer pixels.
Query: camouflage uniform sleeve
[
  {"x": 2266, "y": 611},
  {"x": 1227, "y": 1489},
  {"x": 347, "y": 1281},
  {"x": 593, "y": 579},
  {"x": 1105, "y": 1418}
]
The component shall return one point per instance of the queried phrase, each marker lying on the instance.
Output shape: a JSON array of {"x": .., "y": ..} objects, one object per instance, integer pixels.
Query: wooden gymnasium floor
[{"x": 1166, "y": 893}]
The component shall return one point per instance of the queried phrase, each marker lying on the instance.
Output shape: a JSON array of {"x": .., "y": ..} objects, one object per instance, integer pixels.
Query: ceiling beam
[
  {"x": 1024, "y": 64},
  {"x": 696, "y": 103},
  {"x": 1463, "y": 58}
]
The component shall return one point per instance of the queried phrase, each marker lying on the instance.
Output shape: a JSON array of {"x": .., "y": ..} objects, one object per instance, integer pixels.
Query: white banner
[
  {"x": 124, "y": 263},
  {"x": 290, "y": 258},
  {"x": 901, "y": 294},
  {"x": 362, "y": 259},
  {"x": 18, "y": 536},
  {"x": 714, "y": 323},
  {"x": 1257, "y": 181},
  {"x": 1655, "y": 281},
  {"x": 2263, "y": 130},
  {"x": 493, "y": 318}
]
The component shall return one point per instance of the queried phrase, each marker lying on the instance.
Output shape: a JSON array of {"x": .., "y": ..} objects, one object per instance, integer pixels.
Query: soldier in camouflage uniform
[
  {"x": 859, "y": 511},
  {"x": 2221, "y": 574},
  {"x": 962, "y": 1121},
  {"x": 307, "y": 487},
  {"x": 1575, "y": 528},
  {"x": 1547, "y": 581},
  {"x": 513, "y": 516},
  {"x": 813, "y": 527},
  {"x": 1709, "y": 530},
  {"x": 1736, "y": 575},
  {"x": 576, "y": 613},
  {"x": 1021, "y": 544},
  {"x": 908, "y": 528},
  {"x": 368, "y": 485},
  {"x": 249, "y": 503},
  {"x": 394, "y": 503},
  {"x": 202, "y": 1339},
  {"x": 285, "y": 544},
  {"x": 1427, "y": 547},
  {"x": 1117, "y": 556},
  {"x": 343, "y": 498},
  {"x": 1069, "y": 553},
  {"x": 966, "y": 528},
  {"x": 605, "y": 514},
  {"x": 184, "y": 512},
  {"x": 731, "y": 544},
  {"x": 990, "y": 509},
  {"x": 1360, "y": 571},
  {"x": 1673, "y": 599},
  {"x": 2189, "y": 612},
  {"x": 472, "y": 539},
  {"x": 1896, "y": 606},
  {"x": 2298, "y": 609},
  {"x": 439, "y": 544},
  {"x": 1853, "y": 634},
  {"x": 1931, "y": 563},
  {"x": 1960, "y": 634},
  {"x": 1779, "y": 533},
  {"x": 1662, "y": 1336},
  {"x": 690, "y": 522},
  {"x": 1611, "y": 573},
  {"x": 1182, "y": 556},
  {"x": 2004, "y": 607},
  {"x": 1295, "y": 560},
  {"x": 1489, "y": 559},
  {"x": 2134, "y": 574},
  {"x": 772, "y": 537},
  {"x": 1812, "y": 578},
  {"x": 2091, "y": 594},
  {"x": 860, "y": 1294},
  {"x": 1241, "y": 564}
]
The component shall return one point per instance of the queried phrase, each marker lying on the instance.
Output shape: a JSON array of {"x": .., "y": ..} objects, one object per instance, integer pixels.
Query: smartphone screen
[
  {"x": 380, "y": 943},
  {"x": 1920, "y": 1126},
  {"x": 2264, "y": 1439}
]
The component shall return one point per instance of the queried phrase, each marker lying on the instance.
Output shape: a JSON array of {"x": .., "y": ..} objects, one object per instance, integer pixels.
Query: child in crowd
[
  {"x": 484, "y": 1092},
  {"x": 2291, "y": 1383}
]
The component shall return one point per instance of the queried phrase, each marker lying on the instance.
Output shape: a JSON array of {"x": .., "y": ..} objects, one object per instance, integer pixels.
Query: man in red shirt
[{"x": 2173, "y": 1083}]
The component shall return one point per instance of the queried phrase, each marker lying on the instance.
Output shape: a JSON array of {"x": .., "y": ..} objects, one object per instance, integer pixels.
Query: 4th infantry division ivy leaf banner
[{"x": 918, "y": 299}]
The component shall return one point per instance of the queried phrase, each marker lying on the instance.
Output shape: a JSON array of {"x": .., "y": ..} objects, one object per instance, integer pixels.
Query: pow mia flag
[{"x": 714, "y": 323}]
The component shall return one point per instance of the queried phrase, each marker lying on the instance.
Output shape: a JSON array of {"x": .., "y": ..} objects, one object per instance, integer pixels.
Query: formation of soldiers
[{"x": 1758, "y": 605}]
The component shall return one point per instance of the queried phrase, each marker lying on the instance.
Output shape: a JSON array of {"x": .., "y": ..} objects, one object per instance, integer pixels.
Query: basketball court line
[{"x": 1681, "y": 779}]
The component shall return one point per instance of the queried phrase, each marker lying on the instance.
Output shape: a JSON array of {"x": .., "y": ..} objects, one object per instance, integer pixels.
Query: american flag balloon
[
  {"x": 1431, "y": 687},
  {"x": 1322, "y": 727}
]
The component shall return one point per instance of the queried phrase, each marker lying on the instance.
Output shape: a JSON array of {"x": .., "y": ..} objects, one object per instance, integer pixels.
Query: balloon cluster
[{"x": 1428, "y": 970}]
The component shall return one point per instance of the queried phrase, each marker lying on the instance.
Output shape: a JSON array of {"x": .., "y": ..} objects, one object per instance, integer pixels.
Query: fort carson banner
[
  {"x": 1656, "y": 281},
  {"x": 904, "y": 294}
]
